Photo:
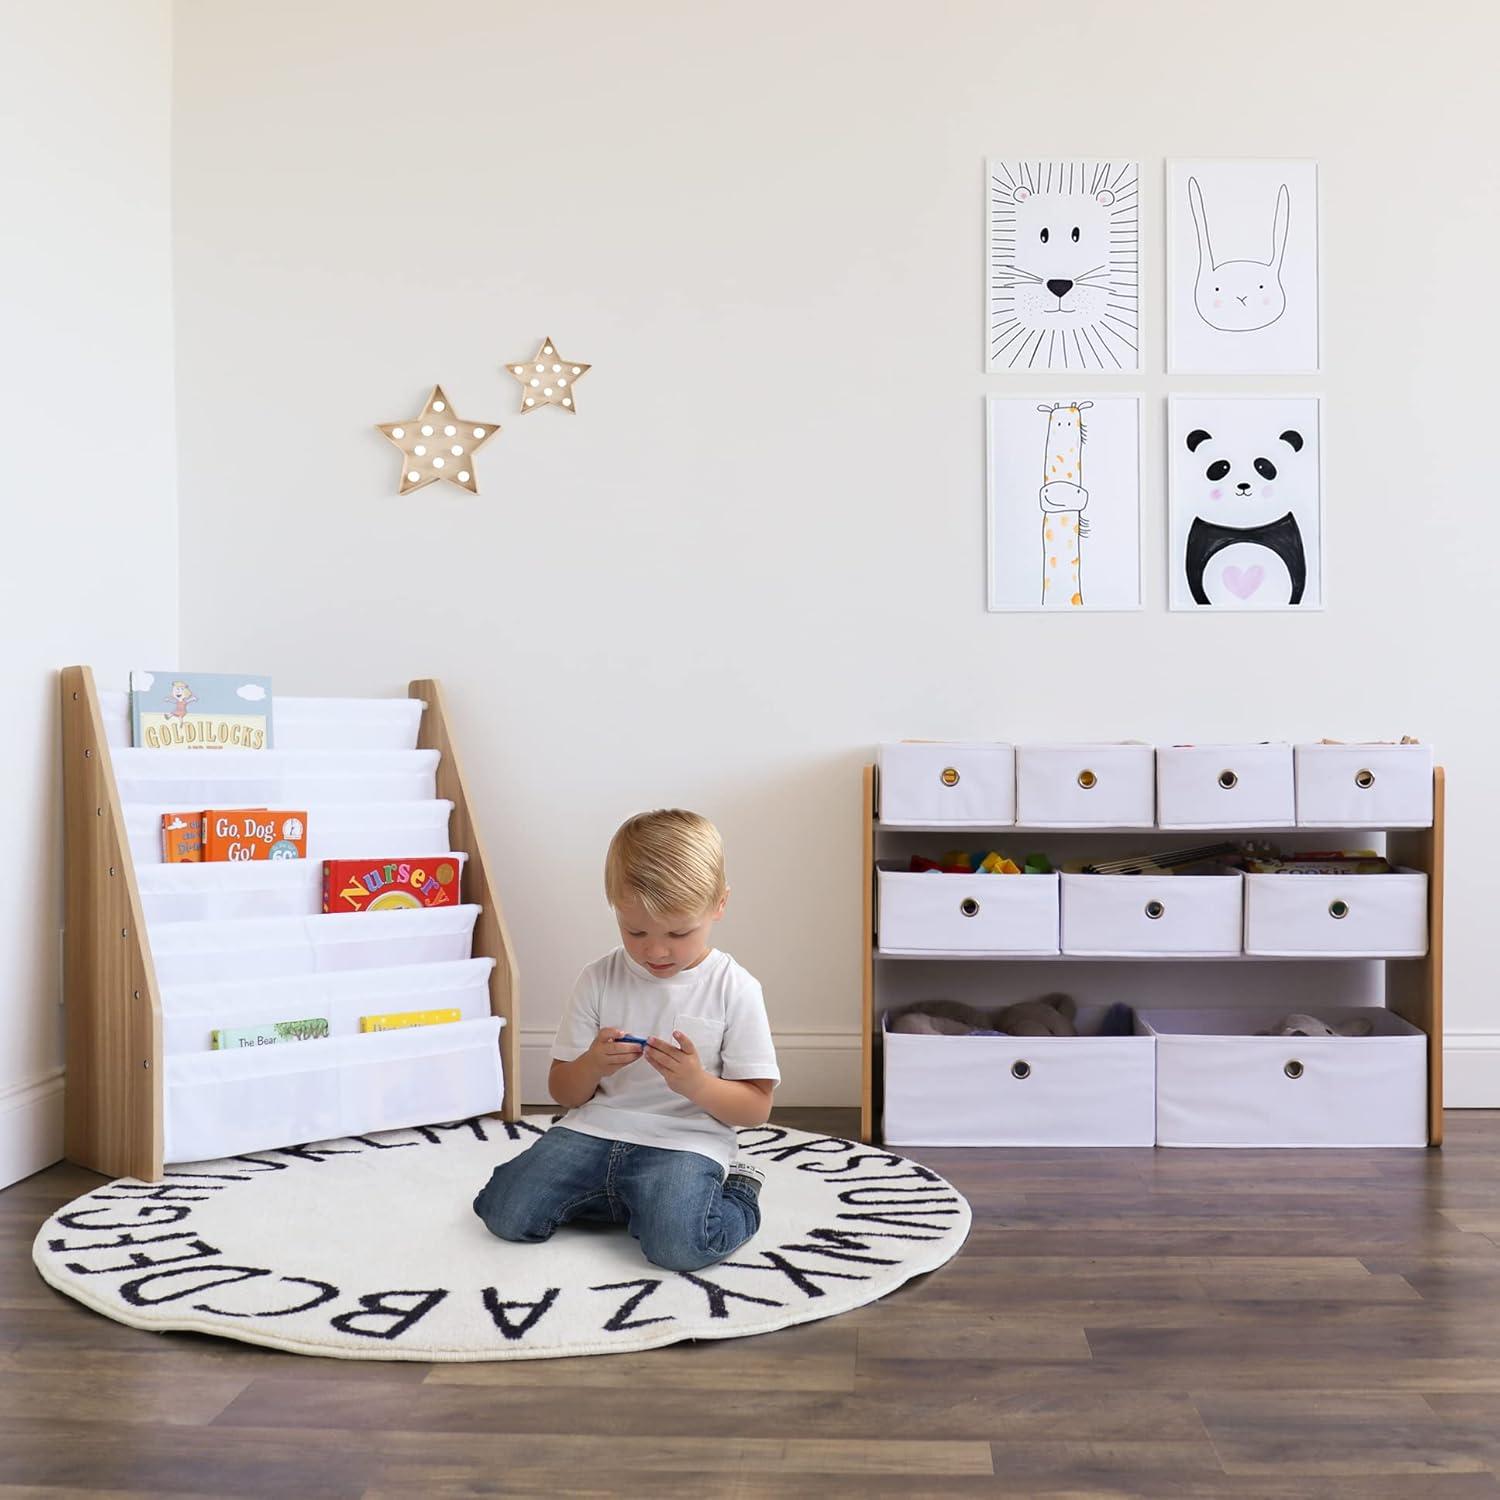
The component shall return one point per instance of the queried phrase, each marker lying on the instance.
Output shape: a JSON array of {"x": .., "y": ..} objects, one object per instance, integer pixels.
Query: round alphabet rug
[{"x": 368, "y": 1248}]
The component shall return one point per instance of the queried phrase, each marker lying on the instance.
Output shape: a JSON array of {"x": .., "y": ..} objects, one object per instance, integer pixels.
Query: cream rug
[{"x": 368, "y": 1248}]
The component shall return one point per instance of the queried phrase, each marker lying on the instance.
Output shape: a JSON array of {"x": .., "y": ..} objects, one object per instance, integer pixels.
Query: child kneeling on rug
[{"x": 648, "y": 1139}]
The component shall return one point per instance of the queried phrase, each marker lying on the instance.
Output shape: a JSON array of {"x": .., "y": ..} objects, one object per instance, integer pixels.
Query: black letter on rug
[
  {"x": 379, "y": 1305},
  {"x": 620, "y": 1319},
  {"x": 325, "y": 1293},
  {"x": 719, "y": 1295},
  {"x": 797, "y": 1275},
  {"x": 497, "y": 1310}
]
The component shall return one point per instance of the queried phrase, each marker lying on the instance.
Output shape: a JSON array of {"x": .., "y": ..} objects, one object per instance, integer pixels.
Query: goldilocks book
[{"x": 200, "y": 711}]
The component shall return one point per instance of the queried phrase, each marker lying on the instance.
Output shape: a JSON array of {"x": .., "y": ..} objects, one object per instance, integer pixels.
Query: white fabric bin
[
  {"x": 308, "y": 723},
  {"x": 1337, "y": 916},
  {"x": 1152, "y": 915},
  {"x": 1085, "y": 786},
  {"x": 273, "y": 947},
  {"x": 221, "y": 891},
  {"x": 1364, "y": 786},
  {"x": 1020, "y": 1091},
  {"x": 188, "y": 779},
  {"x": 953, "y": 784},
  {"x": 222, "y": 1103},
  {"x": 965, "y": 916},
  {"x": 335, "y": 830},
  {"x": 1218, "y": 1084},
  {"x": 190, "y": 1012},
  {"x": 1225, "y": 786}
]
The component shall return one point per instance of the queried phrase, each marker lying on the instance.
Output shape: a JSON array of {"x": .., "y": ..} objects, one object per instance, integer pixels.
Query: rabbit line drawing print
[{"x": 1239, "y": 296}]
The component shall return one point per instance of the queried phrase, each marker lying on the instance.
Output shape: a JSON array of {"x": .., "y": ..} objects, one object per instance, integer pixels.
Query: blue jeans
[{"x": 675, "y": 1202}]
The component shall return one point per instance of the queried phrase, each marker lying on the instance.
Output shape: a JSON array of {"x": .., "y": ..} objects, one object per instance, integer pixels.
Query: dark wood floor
[{"x": 1158, "y": 1324}]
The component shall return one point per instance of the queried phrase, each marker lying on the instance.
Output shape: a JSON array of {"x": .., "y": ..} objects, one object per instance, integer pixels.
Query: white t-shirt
[{"x": 716, "y": 1003}]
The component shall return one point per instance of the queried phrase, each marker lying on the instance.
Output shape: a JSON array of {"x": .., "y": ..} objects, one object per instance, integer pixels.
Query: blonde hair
[{"x": 671, "y": 861}]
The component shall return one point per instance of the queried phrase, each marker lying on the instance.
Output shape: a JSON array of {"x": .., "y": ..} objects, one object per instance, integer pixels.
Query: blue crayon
[{"x": 635, "y": 1041}]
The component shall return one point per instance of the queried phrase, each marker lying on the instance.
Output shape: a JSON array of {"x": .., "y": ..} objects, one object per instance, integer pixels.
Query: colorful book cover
[
  {"x": 253, "y": 833},
  {"x": 397, "y": 1020},
  {"x": 311, "y": 1029},
  {"x": 390, "y": 884},
  {"x": 181, "y": 838},
  {"x": 200, "y": 711}
]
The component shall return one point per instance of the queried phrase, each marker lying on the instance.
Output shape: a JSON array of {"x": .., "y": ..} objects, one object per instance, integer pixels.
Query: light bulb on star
[
  {"x": 415, "y": 438},
  {"x": 547, "y": 379}
]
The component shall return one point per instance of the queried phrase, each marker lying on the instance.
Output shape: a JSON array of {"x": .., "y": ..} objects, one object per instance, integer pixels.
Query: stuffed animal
[
  {"x": 941, "y": 1018},
  {"x": 1300, "y": 1025},
  {"x": 1052, "y": 1015}
]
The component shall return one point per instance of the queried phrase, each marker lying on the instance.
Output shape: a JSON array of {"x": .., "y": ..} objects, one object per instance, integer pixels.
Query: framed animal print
[
  {"x": 1063, "y": 266},
  {"x": 1246, "y": 502},
  {"x": 1064, "y": 502},
  {"x": 1242, "y": 267}
]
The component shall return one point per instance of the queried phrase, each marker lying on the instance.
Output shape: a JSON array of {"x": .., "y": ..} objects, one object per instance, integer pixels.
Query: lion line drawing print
[
  {"x": 1242, "y": 267},
  {"x": 1064, "y": 266},
  {"x": 1094, "y": 522}
]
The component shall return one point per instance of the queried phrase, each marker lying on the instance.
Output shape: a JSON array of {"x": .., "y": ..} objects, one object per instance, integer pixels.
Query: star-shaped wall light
[
  {"x": 548, "y": 379},
  {"x": 438, "y": 445}
]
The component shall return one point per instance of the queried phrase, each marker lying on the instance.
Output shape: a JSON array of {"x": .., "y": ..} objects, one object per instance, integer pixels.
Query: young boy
[{"x": 648, "y": 1139}]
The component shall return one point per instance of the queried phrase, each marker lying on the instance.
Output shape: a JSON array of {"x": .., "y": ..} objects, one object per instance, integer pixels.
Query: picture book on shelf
[
  {"x": 245, "y": 833},
  {"x": 200, "y": 711},
  {"x": 390, "y": 884},
  {"x": 310, "y": 1029},
  {"x": 399, "y": 1020}
]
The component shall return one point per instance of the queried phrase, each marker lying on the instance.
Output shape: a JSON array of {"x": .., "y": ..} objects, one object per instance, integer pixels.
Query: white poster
[
  {"x": 1246, "y": 502},
  {"x": 1242, "y": 267},
  {"x": 1063, "y": 266},
  {"x": 1064, "y": 502}
]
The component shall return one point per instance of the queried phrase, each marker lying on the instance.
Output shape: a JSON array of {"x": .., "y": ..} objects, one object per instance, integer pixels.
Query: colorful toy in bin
[{"x": 980, "y": 862}]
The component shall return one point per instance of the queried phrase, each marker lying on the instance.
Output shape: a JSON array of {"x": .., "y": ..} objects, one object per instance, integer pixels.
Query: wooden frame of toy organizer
[
  {"x": 114, "y": 1081},
  {"x": 1413, "y": 986}
]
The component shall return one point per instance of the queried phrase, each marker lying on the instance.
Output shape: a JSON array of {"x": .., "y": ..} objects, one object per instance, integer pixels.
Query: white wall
[
  {"x": 759, "y": 547},
  {"x": 88, "y": 567}
]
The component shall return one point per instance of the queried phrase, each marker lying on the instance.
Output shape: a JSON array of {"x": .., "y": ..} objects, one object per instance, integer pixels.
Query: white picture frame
[
  {"x": 1026, "y": 486},
  {"x": 1244, "y": 293},
  {"x": 1062, "y": 266},
  {"x": 1251, "y": 464}
]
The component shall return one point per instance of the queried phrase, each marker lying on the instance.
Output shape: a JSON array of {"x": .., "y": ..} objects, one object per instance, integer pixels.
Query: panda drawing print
[
  {"x": 1063, "y": 266},
  {"x": 1246, "y": 506}
]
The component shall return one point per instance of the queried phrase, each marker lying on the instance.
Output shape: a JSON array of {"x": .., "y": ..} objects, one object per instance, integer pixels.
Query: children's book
[
  {"x": 398, "y": 1020},
  {"x": 181, "y": 838},
  {"x": 200, "y": 711},
  {"x": 390, "y": 884},
  {"x": 254, "y": 833},
  {"x": 311, "y": 1029}
]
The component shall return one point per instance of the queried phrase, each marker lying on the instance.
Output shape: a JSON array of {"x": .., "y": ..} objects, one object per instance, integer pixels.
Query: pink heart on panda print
[{"x": 1242, "y": 582}]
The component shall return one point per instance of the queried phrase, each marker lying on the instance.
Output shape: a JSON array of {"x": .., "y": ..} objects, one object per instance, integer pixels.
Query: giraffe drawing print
[
  {"x": 1082, "y": 551},
  {"x": 1064, "y": 501}
]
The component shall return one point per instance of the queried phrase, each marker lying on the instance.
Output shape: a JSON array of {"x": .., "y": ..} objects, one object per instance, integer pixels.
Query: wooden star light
[
  {"x": 438, "y": 445},
  {"x": 548, "y": 379}
]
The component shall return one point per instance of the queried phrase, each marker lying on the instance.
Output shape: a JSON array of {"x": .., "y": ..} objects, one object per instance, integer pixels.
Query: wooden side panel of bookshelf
[
  {"x": 491, "y": 939},
  {"x": 867, "y": 961},
  {"x": 112, "y": 1114},
  {"x": 1414, "y": 986}
]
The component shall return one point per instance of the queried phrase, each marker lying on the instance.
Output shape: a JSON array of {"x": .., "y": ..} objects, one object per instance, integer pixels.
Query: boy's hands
[
  {"x": 609, "y": 1054},
  {"x": 679, "y": 1066}
]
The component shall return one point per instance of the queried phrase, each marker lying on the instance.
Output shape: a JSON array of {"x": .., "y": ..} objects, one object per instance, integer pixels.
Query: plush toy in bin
[{"x": 1049, "y": 1015}]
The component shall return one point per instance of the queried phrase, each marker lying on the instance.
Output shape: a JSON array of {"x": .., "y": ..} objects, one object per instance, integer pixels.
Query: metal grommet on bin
[
  {"x": 950, "y": 776},
  {"x": 1294, "y": 1069},
  {"x": 1338, "y": 909},
  {"x": 1228, "y": 780},
  {"x": 1364, "y": 780},
  {"x": 1154, "y": 909},
  {"x": 1087, "y": 780},
  {"x": 1020, "y": 1069},
  {"x": 969, "y": 906}
]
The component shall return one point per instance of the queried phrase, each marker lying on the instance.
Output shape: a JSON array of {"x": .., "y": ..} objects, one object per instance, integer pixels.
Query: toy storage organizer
[
  {"x": 1206, "y": 961},
  {"x": 157, "y": 955}
]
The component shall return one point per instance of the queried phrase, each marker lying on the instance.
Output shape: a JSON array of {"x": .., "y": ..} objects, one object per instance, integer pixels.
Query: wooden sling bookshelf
[{"x": 114, "y": 1081}]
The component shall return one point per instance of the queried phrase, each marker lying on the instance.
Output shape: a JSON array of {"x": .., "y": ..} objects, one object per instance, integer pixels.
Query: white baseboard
[
  {"x": 31, "y": 1126},
  {"x": 1471, "y": 1070},
  {"x": 818, "y": 1068}
]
